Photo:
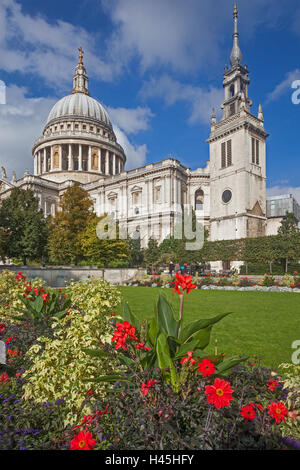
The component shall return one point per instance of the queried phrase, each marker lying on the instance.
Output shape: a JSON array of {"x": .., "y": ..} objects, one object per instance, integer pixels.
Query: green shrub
[
  {"x": 287, "y": 280},
  {"x": 12, "y": 286},
  {"x": 59, "y": 366},
  {"x": 291, "y": 376}
]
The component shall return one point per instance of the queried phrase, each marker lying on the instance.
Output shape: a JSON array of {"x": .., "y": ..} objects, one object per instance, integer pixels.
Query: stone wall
[{"x": 58, "y": 276}]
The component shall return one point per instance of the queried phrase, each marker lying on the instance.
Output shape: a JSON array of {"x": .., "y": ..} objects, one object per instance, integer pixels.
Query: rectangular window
[
  {"x": 223, "y": 162},
  {"x": 255, "y": 151},
  {"x": 229, "y": 155},
  {"x": 226, "y": 154}
]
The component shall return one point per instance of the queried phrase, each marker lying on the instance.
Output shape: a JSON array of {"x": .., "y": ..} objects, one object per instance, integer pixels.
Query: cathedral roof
[{"x": 79, "y": 103}]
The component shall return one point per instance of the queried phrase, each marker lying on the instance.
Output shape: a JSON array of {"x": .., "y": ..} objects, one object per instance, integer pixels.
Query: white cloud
[
  {"x": 33, "y": 45},
  {"x": 278, "y": 190},
  {"x": 284, "y": 85},
  {"x": 21, "y": 122},
  {"x": 131, "y": 121},
  {"x": 136, "y": 154},
  {"x": 200, "y": 100},
  {"x": 184, "y": 36}
]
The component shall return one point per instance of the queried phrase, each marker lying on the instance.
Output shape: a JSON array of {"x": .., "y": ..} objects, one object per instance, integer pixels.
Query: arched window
[
  {"x": 199, "y": 200},
  {"x": 232, "y": 91}
]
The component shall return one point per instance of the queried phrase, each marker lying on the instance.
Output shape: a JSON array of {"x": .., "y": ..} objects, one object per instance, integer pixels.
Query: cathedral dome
[{"x": 79, "y": 105}]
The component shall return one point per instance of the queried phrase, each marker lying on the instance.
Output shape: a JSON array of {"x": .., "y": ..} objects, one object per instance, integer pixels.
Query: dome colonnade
[{"x": 78, "y": 136}]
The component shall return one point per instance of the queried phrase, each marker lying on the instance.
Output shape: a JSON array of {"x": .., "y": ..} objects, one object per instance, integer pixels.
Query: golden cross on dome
[{"x": 81, "y": 52}]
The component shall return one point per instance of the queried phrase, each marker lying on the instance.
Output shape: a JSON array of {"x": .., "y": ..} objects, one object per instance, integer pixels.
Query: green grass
[{"x": 263, "y": 324}]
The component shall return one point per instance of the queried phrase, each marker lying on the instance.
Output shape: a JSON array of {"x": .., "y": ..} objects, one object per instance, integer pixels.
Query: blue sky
[{"x": 157, "y": 65}]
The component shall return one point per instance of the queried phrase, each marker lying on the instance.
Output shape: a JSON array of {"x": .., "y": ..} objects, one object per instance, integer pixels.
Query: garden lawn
[{"x": 262, "y": 324}]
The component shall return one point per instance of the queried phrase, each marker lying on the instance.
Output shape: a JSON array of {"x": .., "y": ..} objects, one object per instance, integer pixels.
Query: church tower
[{"x": 237, "y": 157}]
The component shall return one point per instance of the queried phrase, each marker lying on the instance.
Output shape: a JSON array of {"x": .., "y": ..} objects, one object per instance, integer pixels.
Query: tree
[
  {"x": 152, "y": 253},
  {"x": 95, "y": 250},
  {"x": 23, "y": 226},
  {"x": 136, "y": 253},
  {"x": 288, "y": 234},
  {"x": 3, "y": 241},
  {"x": 66, "y": 227}
]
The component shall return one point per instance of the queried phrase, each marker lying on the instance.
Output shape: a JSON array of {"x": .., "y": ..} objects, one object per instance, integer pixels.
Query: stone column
[
  {"x": 60, "y": 158},
  {"x": 90, "y": 159},
  {"x": 51, "y": 158},
  {"x": 45, "y": 160},
  {"x": 35, "y": 164},
  {"x": 80, "y": 158},
  {"x": 70, "y": 158},
  {"x": 114, "y": 163},
  {"x": 107, "y": 162}
]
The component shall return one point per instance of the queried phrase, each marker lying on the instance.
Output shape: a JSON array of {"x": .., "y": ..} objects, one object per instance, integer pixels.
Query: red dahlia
[
  {"x": 219, "y": 394},
  {"x": 83, "y": 441},
  {"x": 272, "y": 385},
  {"x": 248, "y": 412},
  {"x": 278, "y": 411},
  {"x": 206, "y": 367}
]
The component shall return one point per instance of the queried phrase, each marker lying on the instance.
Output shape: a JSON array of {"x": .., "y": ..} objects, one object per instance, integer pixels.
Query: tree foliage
[{"x": 23, "y": 227}]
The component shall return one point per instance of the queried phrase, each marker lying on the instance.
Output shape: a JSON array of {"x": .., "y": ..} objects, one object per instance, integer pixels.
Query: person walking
[{"x": 171, "y": 268}]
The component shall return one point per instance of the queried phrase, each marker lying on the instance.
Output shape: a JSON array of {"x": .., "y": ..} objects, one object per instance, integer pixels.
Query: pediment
[
  {"x": 256, "y": 210},
  {"x": 136, "y": 189}
]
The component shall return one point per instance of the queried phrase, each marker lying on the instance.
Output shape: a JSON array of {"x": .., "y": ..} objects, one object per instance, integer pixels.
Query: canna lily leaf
[
  {"x": 228, "y": 364},
  {"x": 189, "y": 330},
  {"x": 130, "y": 317},
  {"x": 165, "y": 317}
]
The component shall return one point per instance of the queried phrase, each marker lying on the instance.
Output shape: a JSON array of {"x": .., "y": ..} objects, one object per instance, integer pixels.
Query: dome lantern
[{"x": 80, "y": 79}]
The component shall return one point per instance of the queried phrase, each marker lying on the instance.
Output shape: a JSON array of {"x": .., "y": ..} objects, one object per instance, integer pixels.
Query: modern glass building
[{"x": 278, "y": 206}]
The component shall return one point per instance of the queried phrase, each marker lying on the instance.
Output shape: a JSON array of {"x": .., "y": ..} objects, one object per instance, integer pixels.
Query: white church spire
[{"x": 236, "y": 54}]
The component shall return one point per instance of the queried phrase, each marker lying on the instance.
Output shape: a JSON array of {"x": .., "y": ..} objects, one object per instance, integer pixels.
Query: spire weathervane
[{"x": 81, "y": 52}]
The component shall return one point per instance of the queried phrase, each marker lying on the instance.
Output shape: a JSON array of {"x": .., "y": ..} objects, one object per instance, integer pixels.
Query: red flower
[
  {"x": 206, "y": 367},
  {"x": 278, "y": 411},
  {"x": 4, "y": 378},
  {"x": 83, "y": 441},
  {"x": 36, "y": 291},
  {"x": 12, "y": 352},
  {"x": 258, "y": 406},
  {"x": 219, "y": 394},
  {"x": 188, "y": 358},
  {"x": 2, "y": 328},
  {"x": 183, "y": 282},
  {"x": 248, "y": 412},
  {"x": 8, "y": 340},
  {"x": 123, "y": 331},
  {"x": 145, "y": 387},
  {"x": 45, "y": 297},
  {"x": 272, "y": 385},
  {"x": 142, "y": 346}
]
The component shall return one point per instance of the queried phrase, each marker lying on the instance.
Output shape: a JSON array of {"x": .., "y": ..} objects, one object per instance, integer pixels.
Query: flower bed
[
  {"x": 164, "y": 390},
  {"x": 287, "y": 283}
]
